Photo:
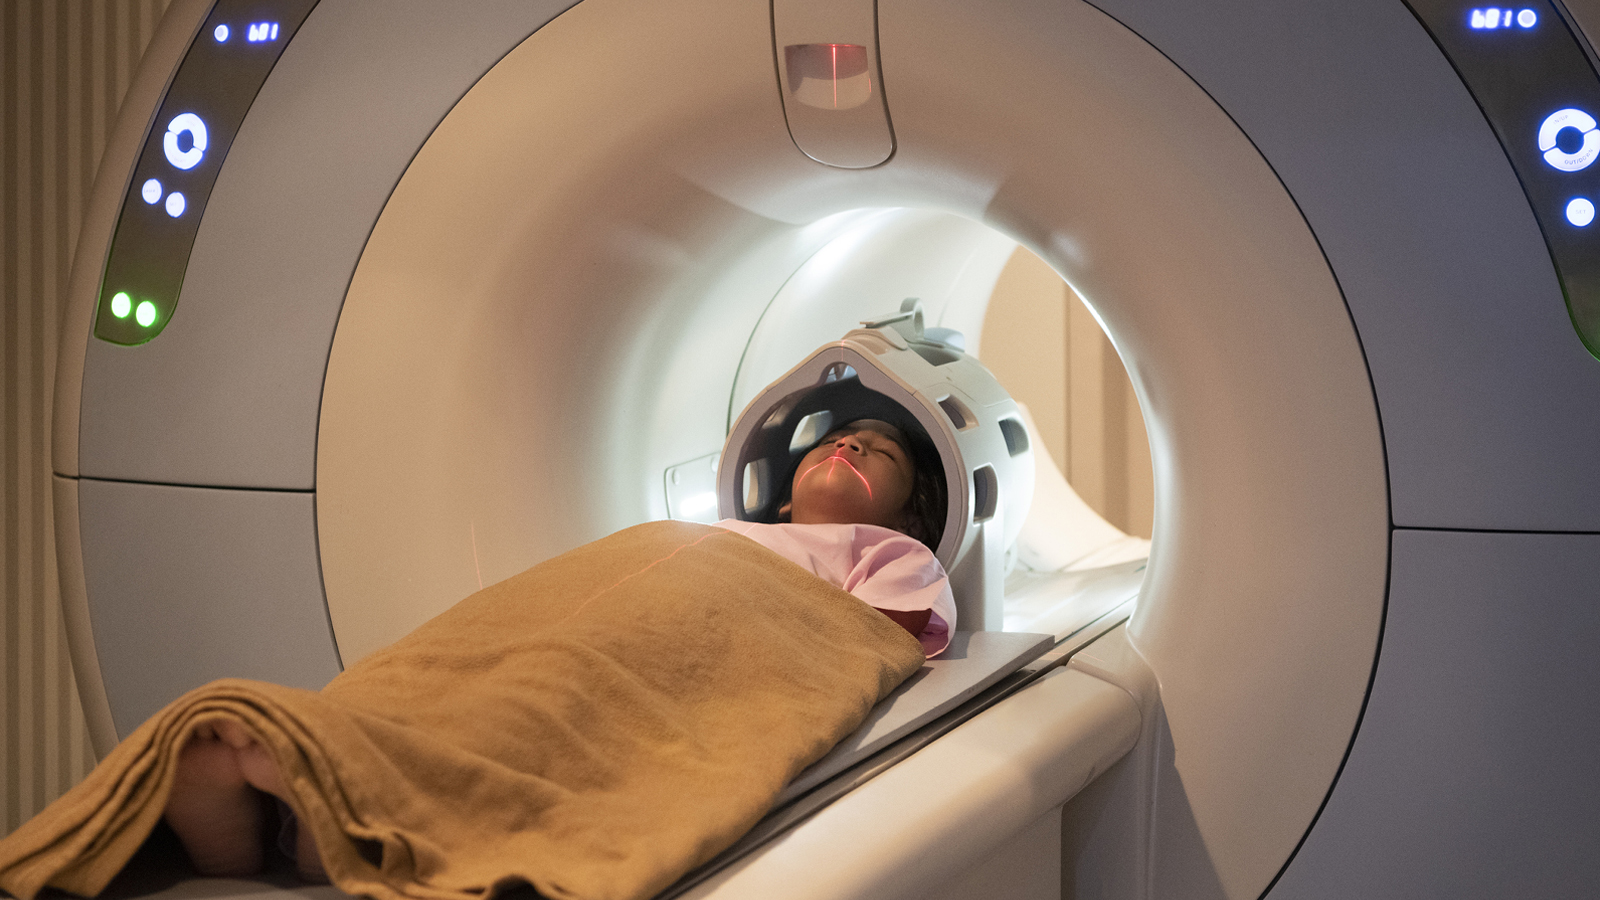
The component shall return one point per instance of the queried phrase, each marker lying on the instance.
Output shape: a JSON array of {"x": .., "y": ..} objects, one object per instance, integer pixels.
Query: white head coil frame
[{"x": 893, "y": 369}]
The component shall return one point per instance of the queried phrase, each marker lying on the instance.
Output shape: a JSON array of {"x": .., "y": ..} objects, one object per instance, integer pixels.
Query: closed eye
[
  {"x": 870, "y": 440},
  {"x": 885, "y": 446}
]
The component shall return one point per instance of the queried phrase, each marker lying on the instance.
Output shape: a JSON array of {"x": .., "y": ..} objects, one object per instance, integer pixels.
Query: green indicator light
[
  {"x": 121, "y": 305},
  {"x": 145, "y": 315}
]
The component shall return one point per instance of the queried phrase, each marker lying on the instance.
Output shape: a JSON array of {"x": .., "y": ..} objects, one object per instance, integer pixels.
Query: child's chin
[{"x": 848, "y": 515}]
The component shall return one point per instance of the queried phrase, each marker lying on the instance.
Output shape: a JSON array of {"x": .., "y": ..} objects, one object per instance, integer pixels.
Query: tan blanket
[{"x": 596, "y": 726}]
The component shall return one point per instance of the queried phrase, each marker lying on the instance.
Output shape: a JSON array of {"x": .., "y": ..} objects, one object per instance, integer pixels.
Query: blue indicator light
[
  {"x": 1580, "y": 212},
  {"x": 185, "y": 128},
  {"x": 261, "y": 32},
  {"x": 1575, "y": 129},
  {"x": 221, "y": 34},
  {"x": 176, "y": 204},
  {"x": 1492, "y": 18},
  {"x": 151, "y": 191}
]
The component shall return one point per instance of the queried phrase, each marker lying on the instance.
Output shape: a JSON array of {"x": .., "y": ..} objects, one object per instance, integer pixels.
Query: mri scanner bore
[{"x": 1344, "y": 251}]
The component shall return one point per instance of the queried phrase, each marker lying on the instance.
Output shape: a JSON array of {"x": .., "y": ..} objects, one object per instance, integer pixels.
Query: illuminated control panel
[
  {"x": 206, "y": 102},
  {"x": 1491, "y": 18},
  {"x": 1538, "y": 88}
]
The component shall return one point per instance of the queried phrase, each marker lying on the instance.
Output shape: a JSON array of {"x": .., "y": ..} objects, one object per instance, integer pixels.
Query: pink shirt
[{"x": 883, "y": 567}]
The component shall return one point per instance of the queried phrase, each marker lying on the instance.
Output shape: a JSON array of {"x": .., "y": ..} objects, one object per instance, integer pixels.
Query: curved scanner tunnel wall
[{"x": 460, "y": 295}]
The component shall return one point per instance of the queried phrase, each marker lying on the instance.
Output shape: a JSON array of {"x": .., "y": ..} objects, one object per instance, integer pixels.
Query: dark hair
[{"x": 928, "y": 504}]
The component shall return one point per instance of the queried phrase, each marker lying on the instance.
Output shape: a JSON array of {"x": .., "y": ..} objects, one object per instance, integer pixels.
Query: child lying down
[{"x": 595, "y": 727}]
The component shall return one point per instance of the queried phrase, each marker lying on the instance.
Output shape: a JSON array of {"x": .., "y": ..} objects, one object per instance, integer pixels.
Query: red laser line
[
  {"x": 475, "y": 566},
  {"x": 633, "y": 575},
  {"x": 835, "y": 48},
  {"x": 847, "y": 462}
]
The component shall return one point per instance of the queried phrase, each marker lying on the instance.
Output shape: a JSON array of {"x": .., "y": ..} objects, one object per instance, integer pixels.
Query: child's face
[{"x": 859, "y": 474}]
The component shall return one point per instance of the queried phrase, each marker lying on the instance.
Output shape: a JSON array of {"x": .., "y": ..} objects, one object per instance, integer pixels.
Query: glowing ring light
[
  {"x": 1569, "y": 118},
  {"x": 188, "y": 159}
]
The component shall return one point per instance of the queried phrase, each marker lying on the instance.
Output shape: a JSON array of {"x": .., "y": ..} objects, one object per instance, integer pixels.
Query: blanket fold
[{"x": 596, "y": 727}]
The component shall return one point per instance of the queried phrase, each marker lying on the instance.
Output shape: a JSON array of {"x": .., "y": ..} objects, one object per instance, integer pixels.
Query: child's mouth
[{"x": 839, "y": 455}]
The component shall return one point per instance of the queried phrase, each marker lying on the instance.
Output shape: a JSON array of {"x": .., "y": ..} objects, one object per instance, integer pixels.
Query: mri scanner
[{"x": 377, "y": 302}]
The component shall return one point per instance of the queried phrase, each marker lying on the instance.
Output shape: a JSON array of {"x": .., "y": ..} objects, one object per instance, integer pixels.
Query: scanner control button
[
  {"x": 1552, "y": 127},
  {"x": 192, "y": 126}
]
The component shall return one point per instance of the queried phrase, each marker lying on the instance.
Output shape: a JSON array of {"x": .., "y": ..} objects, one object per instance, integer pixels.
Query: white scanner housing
[{"x": 471, "y": 280}]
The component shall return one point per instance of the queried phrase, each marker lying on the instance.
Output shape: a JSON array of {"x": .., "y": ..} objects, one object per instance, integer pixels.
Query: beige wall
[
  {"x": 64, "y": 66},
  {"x": 1045, "y": 346}
]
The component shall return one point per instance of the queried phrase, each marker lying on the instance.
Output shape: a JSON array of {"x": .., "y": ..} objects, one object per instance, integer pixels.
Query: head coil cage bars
[{"x": 919, "y": 379}]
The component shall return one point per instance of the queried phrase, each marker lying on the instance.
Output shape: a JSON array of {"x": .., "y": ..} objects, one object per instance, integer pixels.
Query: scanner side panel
[
  {"x": 1486, "y": 393},
  {"x": 1473, "y": 772},
  {"x": 187, "y": 585}
]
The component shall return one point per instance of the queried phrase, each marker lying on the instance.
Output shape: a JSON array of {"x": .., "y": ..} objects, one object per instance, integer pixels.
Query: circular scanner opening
[
  {"x": 1046, "y": 348},
  {"x": 481, "y": 454},
  {"x": 1066, "y": 562},
  {"x": 1027, "y": 325}
]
